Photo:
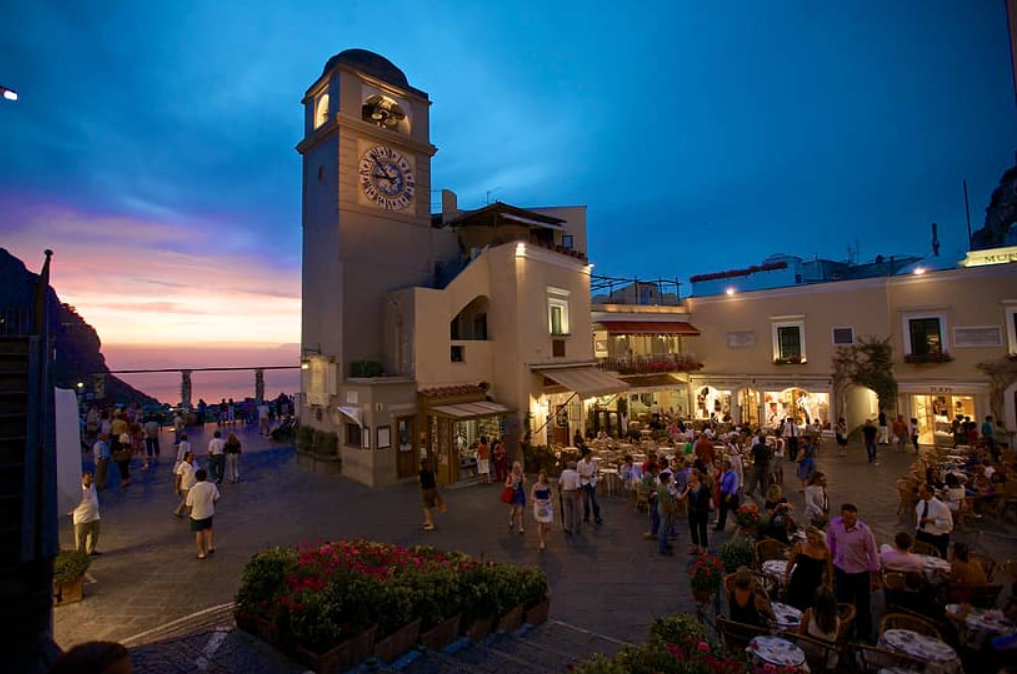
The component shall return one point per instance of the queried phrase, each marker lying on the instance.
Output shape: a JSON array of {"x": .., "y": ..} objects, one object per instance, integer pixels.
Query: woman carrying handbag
[{"x": 515, "y": 486}]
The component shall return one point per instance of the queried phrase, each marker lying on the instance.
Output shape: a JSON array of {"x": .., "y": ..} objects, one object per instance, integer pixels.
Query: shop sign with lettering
[{"x": 980, "y": 258}]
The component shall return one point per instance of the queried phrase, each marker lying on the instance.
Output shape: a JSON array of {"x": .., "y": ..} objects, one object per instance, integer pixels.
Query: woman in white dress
[{"x": 543, "y": 512}]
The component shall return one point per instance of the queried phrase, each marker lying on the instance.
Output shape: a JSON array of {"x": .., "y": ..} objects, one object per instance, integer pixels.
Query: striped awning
[
  {"x": 648, "y": 327},
  {"x": 476, "y": 410},
  {"x": 585, "y": 380}
]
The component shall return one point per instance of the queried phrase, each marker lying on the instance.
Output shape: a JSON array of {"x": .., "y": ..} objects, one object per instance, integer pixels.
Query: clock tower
[{"x": 366, "y": 206}]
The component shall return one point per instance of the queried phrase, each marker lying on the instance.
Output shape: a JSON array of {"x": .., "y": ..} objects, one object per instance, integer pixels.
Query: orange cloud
[{"x": 146, "y": 282}]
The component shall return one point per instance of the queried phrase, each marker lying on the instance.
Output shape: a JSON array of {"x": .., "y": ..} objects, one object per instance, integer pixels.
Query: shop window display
[
  {"x": 713, "y": 404},
  {"x": 804, "y": 406},
  {"x": 935, "y": 414},
  {"x": 748, "y": 404}
]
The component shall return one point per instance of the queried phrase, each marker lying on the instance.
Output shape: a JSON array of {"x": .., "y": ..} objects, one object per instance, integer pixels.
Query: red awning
[{"x": 649, "y": 327}]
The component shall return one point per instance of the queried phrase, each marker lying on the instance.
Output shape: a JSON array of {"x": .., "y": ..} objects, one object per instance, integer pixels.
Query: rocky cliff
[{"x": 78, "y": 350}]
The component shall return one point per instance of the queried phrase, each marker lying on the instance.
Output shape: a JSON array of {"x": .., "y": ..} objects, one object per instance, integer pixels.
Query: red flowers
[{"x": 706, "y": 573}]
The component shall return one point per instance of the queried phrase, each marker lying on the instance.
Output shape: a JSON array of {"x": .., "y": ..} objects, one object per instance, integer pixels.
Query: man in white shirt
[
  {"x": 86, "y": 518},
  {"x": 791, "y": 433},
  {"x": 185, "y": 479},
  {"x": 201, "y": 500},
  {"x": 217, "y": 456},
  {"x": 588, "y": 479},
  {"x": 570, "y": 486},
  {"x": 178, "y": 427},
  {"x": 933, "y": 520}
]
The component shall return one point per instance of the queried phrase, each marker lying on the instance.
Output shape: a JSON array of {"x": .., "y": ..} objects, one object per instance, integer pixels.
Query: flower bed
[
  {"x": 677, "y": 645},
  {"x": 312, "y": 599}
]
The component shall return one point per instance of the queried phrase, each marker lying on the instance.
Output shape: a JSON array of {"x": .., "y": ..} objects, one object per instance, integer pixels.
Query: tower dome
[{"x": 370, "y": 63}]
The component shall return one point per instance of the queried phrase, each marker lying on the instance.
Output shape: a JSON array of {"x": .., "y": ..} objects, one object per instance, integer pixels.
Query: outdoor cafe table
[
  {"x": 611, "y": 481},
  {"x": 775, "y": 651},
  {"x": 979, "y": 625},
  {"x": 776, "y": 568},
  {"x": 933, "y": 567},
  {"x": 939, "y": 657},
  {"x": 787, "y": 617}
]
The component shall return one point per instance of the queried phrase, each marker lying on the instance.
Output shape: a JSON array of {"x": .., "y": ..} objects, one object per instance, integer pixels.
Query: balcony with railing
[{"x": 652, "y": 363}]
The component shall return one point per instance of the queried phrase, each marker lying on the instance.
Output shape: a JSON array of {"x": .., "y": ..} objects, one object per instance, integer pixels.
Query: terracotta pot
[
  {"x": 512, "y": 620},
  {"x": 442, "y": 634},
  {"x": 391, "y": 647},
  {"x": 701, "y": 596},
  {"x": 538, "y": 614},
  {"x": 68, "y": 593},
  {"x": 345, "y": 656},
  {"x": 480, "y": 628}
]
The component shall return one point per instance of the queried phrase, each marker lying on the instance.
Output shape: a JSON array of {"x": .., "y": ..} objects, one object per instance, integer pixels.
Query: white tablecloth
[
  {"x": 980, "y": 625},
  {"x": 788, "y": 617},
  {"x": 776, "y": 651},
  {"x": 939, "y": 657},
  {"x": 776, "y": 568}
]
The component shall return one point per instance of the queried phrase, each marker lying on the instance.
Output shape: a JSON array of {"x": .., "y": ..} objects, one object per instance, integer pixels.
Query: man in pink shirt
[
  {"x": 855, "y": 565},
  {"x": 901, "y": 559}
]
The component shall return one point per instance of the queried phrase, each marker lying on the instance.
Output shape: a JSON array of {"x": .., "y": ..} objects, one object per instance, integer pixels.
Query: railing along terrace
[{"x": 649, "y": 364}]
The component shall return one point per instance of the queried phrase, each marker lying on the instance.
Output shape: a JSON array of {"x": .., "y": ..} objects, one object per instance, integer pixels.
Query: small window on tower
[
  {"x": 385, "y": 112},
  {"x": 321, "y": 110}
]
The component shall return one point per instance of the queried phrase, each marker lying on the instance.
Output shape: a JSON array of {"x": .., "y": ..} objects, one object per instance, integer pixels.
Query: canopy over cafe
[{"x": 560, "y": 411}]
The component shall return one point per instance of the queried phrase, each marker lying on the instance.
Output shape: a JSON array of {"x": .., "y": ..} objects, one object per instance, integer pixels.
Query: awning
[
  {"x": 648, "y": 327},
  {"x": 353, "y": 413},
  {"x": 477, "y": 410},
  {"x": 585, "y": 380}
]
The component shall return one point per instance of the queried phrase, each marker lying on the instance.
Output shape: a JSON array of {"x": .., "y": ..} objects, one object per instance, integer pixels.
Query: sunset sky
[{"x": 153, "y": 144}]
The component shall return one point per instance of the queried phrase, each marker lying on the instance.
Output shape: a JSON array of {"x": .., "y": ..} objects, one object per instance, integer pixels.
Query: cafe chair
[
  {"x": 736, "y": 636},
  {"x": 923, "y": 548},
  {"x": 898, "y": 594},
  {"x": 768, "y": 549},
  {"x": 908, "y": 621},
  {"x": 871, "y": 659},
  {"x": 908, "y": 496},
  {"x": 642, "y": 498},
  {"x": 820, "y": 655},
  {"x": 982, "y": 596},
  {"x": 762, "y": 583},
  {"x": 846, "y": 613}
]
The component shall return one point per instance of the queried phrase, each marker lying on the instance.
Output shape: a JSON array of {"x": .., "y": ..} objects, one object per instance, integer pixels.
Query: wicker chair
[
  {"x": 908, "y": 496},
  {"x": 821, "y": 656},
  {"x": 642, "y": 498},
  {"x": 908, "y": 621},
  {"x": 768, "y": 549},
  {"x": 871, "y": 660},
  {"x": 736, "y": 636},
  {"x": 923, "y": 548},
  {"x": 846, "y": 613}
]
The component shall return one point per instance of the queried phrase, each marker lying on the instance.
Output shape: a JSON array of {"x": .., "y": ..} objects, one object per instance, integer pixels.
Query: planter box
[
  {"x": 346, "y": 655},
  {"x": 68, "y": 593},
  {"x": 512, "y": 620},
  {"x": 479, "y": 629},
  {"x": 391, "y": 647},
  {"x": 538, "y": 614},
  {"x": 319, "y": 465},
  {"x": 442, "y": 634}
]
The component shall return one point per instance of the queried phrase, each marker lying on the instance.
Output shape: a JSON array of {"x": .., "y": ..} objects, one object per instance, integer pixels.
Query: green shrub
[
  {"x": 599, "y": 664},
  {"x": 305, "y": 438},
  {"x": 735, "y": 553},
  {"x": 533, "y": 585},
  {"x": 365, "y": 368},
  {"x": 264, "y": 579},
  {"x": 676, "y": 629},
  {"x": 70, "y": 565},
  {"x": 325, "y": 443},
  {"x": 540, "y": 457}
]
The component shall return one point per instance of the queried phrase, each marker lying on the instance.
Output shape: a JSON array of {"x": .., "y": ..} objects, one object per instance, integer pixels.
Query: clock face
[{"x": 386, "y": 177}]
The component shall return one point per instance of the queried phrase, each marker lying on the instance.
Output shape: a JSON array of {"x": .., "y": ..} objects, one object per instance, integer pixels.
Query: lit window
[
  {"x": 321, "y": 110},
  {"x": 353, "y": 435},
  {"x": 925, "y": 336},
  {"x": 558, "y": 315},
  {"x": 789, "y": 343}
]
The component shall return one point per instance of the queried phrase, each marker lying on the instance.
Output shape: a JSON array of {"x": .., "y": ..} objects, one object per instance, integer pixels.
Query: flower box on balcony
[
  {"x": 922, "y": 358},
  {"x": 789, "y": 360}
]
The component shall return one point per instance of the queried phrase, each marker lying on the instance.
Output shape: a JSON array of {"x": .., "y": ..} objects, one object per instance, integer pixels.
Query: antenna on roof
[
  {"x": 967, "y": 209},
  {"x": 487, "y": 196},
  {"x": 935, "y": 240}
]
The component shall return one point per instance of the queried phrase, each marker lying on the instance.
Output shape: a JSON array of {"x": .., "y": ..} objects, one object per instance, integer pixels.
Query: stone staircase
[{"x": 210, "y": 643}]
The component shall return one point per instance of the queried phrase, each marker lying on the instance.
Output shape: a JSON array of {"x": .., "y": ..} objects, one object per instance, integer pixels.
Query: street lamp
[{"x": 8, "y": 94}]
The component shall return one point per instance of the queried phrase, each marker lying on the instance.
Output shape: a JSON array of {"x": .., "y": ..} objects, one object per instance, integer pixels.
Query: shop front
[
  {"x": 713, "y": 403},
  {"x": 749, "y": 406},
  {"x": 805, "y": 406},
  {"x": 451, "y": 432},
  {"x": 936, "y": 408},
  {"x": 758, "y": 401},
  {"x": 576, "y": 398}
]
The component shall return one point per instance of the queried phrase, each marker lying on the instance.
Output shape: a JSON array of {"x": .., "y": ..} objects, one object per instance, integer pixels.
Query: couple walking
[{"x": 515, "y": 496}]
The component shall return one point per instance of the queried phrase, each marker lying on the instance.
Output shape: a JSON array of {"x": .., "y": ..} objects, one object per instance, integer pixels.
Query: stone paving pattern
[{"x": 609, "y": 580}]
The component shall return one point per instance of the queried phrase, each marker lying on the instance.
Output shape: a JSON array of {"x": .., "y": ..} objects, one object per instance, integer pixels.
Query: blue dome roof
[{"x": 370, "y": 63}]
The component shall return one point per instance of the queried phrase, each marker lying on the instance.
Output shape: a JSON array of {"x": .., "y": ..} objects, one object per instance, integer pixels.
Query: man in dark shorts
[
  {"x": 429, "y": 490},
  {"x": 201, "y": 499}
]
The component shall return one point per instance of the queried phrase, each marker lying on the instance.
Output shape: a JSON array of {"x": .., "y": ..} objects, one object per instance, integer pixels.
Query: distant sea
[{"x": 211, "y": 386}]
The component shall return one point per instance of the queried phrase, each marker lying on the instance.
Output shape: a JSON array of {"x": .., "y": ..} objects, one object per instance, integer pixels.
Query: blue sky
[{"x": 153, "y": 143}]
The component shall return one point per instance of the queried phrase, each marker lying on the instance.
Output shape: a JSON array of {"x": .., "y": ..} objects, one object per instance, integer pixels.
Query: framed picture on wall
[
  {"x": 366, "y": 437},
  {"x": 384, "y": 437}
]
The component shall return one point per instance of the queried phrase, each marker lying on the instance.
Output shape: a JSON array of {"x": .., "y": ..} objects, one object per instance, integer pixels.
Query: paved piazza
[{"x": 609, "y": 581}]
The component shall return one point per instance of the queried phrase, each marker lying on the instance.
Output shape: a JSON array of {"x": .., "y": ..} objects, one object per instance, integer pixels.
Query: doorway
[{"x": 406, "y": 449}]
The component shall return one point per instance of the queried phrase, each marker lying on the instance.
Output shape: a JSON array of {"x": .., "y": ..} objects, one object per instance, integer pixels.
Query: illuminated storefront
[
  {"x": 936, "y": 407},
  {"x": 802, "y": 405}
]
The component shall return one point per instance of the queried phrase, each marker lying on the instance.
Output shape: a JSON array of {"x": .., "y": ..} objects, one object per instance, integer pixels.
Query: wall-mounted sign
[{"x": 980, "y": 258}]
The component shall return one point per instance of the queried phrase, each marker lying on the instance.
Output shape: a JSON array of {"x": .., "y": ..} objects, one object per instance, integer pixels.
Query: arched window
[
  {"x": 386, "y": 113},
  {"x": 321, "y": 110}
]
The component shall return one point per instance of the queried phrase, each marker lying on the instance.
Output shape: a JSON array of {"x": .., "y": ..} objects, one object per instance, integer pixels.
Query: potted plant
[
  {"x": 705, "y": 577},
  {"x": 331, "y": 626},
  {"x": 736, "y": 553},
  {"x": 397, "y": 626},
  {"x": 536, "y": 602},
  {"x": 747, "y": 518},
  {"x": 69, "y": 576}
]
